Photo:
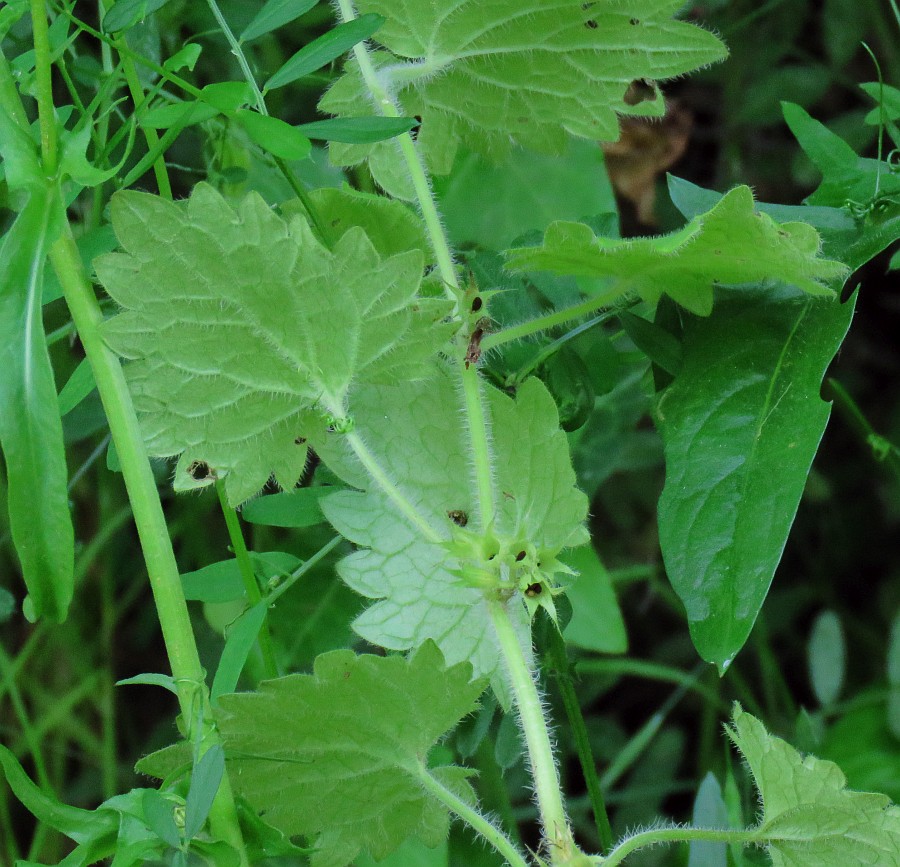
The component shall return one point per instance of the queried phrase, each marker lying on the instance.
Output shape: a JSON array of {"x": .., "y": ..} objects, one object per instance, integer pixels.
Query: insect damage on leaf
[{"x": 245, "y": 336}]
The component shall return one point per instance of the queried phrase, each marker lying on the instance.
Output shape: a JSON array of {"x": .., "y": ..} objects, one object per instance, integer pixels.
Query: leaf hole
[
  {"x": 640, "y": 90},
  {"x": 200, "y": 471},
  {"x": 459, "y": 517},
  {"x": 591, "y": 24},
  {"x": 534, "y": 589},
  {"x": 477, "y": 304}
]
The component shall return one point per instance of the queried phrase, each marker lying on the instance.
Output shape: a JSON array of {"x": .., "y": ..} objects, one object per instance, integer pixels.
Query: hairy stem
[
  {"x": 473, "y": 818},
  {"x": 537, "y": 737},
  {"x": 656, "y": 836},
  {"x": 546, "y": 780}
]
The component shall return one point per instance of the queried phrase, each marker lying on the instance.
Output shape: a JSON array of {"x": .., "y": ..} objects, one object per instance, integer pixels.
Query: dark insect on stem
[
  {"x": 535, "y": 589},
  {"x": 477, "y": 303},
  {"x": 200, "y": 471},
  {"x": 473, "y": 353},
  {"x": 459, "y": 517},
  {"x": 520, "y": 556}
]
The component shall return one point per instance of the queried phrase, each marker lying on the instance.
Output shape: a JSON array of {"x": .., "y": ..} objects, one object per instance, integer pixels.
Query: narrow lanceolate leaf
[
  {"x": 810, "y": 818},
  {"x": 246, "y": 335},
  {"x": 533, "y": 73},
  {"x": 424, "y": 552},
  {"x": 741, "y": 423},
  {"x": 275, "y": 14},
  {"x": 339, "y": 756},
  {"x": 30, "y": 426},
  {"x": 731, "y": 244}
]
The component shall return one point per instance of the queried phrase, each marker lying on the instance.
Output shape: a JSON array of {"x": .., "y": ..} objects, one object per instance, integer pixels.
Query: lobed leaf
[
  {"x": 418, "y": 436},
  {"x": 809, "y": 817},
  {"x": 532, "y": 73},
  {"x": 245, "y": 334},
  {"x": 339, "y": 755},
  {"x": 743, "y": 412},
  {"x": 731, "y": 244}
]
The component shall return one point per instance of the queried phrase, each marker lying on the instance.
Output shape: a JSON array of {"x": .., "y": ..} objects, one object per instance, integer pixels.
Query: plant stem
[
  {"x": 44, "y": 86},
  {"x": 537, "y": 736},
  {"x": 251, "y": 586},
  {"x": 546, "y": 779},
  {"x": 559, "y": 662},
  {"x": 543, "y": 323},
  {"x": 238, "y": 52},
  {"x": 162, "y": 568},
  {"x": 473, "y": 818},
  {"x": 301, "y": 570},
  {"x": 674, "y": 835}
]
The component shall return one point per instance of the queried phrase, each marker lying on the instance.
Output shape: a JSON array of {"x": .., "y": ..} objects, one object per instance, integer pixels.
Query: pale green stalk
[
  {"x": 537, "y": 737},
  {"x": 531, "y": 713},
  {"x": 238, "y": 52},
  {"x": 473, "y": 818},
  {"x": 656, "y": 836}
]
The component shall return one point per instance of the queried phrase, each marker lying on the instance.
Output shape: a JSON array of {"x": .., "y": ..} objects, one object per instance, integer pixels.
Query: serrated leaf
[
  {"x": 732, "y": 244},
  {"x": 743, "y": 411},
  {"x": 532, "y": 73},
  {"x": 341, "y": 754},
  {"x": 809, "y": 817},
  {"x": 245, "y": 334},
  {"x": 418, "y": 437}
]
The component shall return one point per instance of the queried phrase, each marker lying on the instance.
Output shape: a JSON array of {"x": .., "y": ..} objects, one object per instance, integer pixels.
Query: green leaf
[
  {"x": 275, "y": 14},
  {"x": 358, "y": 130},
  {"x": 79, "y": 825},
  {"x": 391, "y": 226},
  {"x": 126, "y": 13},
  {"x": 164, "y": 680},
  {"x": 827, "y": 657},
  {"x": 732, "y": 244},
  {"x": 809, "y": 817},
  {"x": 339, "y": 755},
  {"x": 247, "y": 335},
  {"x": 845, "y": 175},
  {"x": 180, "y": 114},
  {"x": 493, "y": 205},
  {"x": 889, "y": 108},
  {"x": 531, "y": 75},
  {"x": 709, "y": 812},
  {"x": 274, "y": 135},
  {"x": 744, "y": 410},
  {"x": 326, "y": 48},
  {"x": 30, "y": 427},
  {"x": 596, "y": 622},
  {"x": 298, "y": 508},
  {"x": 852, "y": 241},
  {"x": 78, "y": 386},
  {"x": 241, "y": 638},
  {"x": 427, "y": 581},
  {"x": 159, "y": 813},
  {"x": 205, "y": 780}
]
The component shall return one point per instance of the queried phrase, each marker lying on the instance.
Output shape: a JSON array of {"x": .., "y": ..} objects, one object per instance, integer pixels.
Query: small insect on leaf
[
  {"x": 459, "y": 517},
  {"x": 535, "y": 589}
]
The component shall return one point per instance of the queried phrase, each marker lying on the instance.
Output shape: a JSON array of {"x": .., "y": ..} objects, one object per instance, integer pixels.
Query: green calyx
[{"x": 503, "y": 566}]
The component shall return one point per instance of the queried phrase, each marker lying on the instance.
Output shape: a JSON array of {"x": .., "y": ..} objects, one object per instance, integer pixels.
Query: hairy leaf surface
[
  {"x": 410, "y": 564},
  {"x": 342, "y": 752},
  {"x": 741, "y": 423},
  {"x": 731, "y": 244},
  {"x": 810, "y": 818},
  {"x": 532, "y": 73},
  {"x": 245, "y": 334}
]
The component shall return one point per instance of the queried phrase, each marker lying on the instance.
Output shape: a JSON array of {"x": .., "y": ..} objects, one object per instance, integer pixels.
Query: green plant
[{"x": 256, "y": 330}]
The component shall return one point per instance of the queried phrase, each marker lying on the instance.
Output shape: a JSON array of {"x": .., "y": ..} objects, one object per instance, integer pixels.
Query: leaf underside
[
  {"x": 342, "y": 751},
  {"x": 532, "y": 73},
  {"x": 418, "y": 435},
  {"x": 810, "y": 818},
  {"x": 731, "y": 244},
  {"x": 245, "y": 335},
  {"x": 741, "y": 424}
]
